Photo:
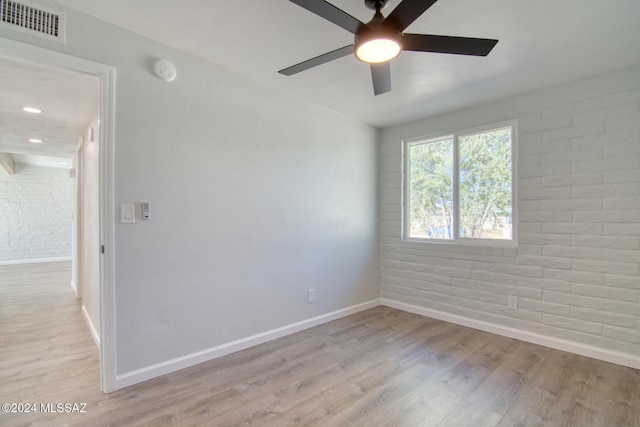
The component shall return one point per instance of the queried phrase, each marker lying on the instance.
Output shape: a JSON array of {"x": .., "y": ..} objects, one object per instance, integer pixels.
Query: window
[{"x": 459, "y": 186}]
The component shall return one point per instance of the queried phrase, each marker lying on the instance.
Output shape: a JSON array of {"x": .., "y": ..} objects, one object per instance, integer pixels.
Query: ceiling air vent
[{"x": 28, "y": 18}]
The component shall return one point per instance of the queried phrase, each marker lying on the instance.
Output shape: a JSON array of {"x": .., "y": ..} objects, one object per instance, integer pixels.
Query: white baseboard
[
  {"x": 619, "y": 358},
  {"x": 139, "y": 375},
  {"x": 34, "y": 261},
  {"x": 94, "y": 333},
  {"x": 74, "y": 288}
]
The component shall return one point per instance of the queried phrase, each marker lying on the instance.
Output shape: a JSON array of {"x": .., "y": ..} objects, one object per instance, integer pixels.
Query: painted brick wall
[
  {"x": 576, "y": 267},
  {"x": 35, "y": 213}
]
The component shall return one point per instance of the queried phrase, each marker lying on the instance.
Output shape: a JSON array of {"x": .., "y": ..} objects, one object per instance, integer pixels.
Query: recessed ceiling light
[
  {"x": 64, "y": 163},
  {"x": 35, "y": 141},
  {"x": 33, "y": 110}
]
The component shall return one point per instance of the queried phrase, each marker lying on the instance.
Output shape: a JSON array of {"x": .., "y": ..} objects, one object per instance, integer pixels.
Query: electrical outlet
[
  {"x": 311, "y": 295},
  {"x": 512, "y": 302}
]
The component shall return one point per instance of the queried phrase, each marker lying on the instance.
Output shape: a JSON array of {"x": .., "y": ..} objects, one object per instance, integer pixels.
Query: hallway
[{"x": 47, "y": 354}]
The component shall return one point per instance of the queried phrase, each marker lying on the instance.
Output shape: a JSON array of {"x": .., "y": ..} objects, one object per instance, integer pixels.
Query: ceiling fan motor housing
[{"x": 376, "y": 4}]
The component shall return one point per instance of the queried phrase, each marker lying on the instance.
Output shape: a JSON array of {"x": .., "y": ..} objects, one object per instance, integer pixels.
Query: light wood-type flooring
[{"x": 381, "y": 367}]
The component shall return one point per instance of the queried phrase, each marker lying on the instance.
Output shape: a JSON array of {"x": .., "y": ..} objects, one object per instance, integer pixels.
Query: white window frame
[{"x": 406, "y": 198}]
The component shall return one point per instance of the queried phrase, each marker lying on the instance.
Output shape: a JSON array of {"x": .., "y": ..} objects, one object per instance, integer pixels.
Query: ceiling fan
[{"x": 382, "y": 39}]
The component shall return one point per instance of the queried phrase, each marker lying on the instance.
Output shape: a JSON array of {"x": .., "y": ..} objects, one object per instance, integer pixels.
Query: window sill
[{"x": 489, "y": 243}]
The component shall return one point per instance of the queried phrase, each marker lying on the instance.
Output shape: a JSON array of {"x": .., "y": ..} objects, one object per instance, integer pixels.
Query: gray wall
[{"x": 256, "y": 196}]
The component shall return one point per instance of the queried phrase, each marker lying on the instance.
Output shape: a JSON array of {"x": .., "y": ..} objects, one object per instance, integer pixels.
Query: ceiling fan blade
[
  {"x": 381, "y": 76},
  {"x": 331, "y": 13},
  {"x": 318, "y": 60},
  {"x": 407, "y": 12},
  {"x": 448, "y": 44}
]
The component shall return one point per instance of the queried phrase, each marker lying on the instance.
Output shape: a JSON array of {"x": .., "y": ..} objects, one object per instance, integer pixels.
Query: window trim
[{"x": 455, "y": 135}]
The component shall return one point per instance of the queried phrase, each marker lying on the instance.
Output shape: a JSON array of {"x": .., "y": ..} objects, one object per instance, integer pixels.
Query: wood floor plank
[{"x": 380, "y": 367}]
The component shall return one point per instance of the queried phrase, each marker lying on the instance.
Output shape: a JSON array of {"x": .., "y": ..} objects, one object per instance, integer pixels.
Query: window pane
[
  {"x": 431, "y": 189},
  {"x": 485, "y": 185}
]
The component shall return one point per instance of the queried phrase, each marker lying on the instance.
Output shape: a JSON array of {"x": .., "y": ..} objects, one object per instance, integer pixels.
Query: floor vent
[{"x": 36, "y": 20}]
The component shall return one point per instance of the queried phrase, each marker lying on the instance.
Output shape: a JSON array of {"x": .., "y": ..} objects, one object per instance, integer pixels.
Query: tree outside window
[{"x": 460, "y": 186}]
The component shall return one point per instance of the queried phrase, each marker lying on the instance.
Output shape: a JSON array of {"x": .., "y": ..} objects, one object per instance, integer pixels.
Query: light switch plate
[{"x": 127, "y": 214}]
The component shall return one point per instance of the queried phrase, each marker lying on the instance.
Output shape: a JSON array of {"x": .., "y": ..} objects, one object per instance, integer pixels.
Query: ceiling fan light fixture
[{"x": 376, "y": 50}]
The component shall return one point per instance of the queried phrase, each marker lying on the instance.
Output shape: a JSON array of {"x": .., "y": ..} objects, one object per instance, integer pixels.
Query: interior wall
[
  {"x": 35, "y": 214},
  {"x": 90, "y": 230},
  {"x": 575, "y": 269},
  {"x": 76, "y": 221},
  {"x": 255, "y": 196}
]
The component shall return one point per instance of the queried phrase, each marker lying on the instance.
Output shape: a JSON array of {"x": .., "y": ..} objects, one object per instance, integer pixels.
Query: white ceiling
[
  {"x": 68, "y": 100},
  {"x": 542, "y": 43}
]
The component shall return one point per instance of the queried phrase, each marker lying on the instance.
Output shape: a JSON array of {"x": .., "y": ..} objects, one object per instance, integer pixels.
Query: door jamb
[{"x": 107, "y": 74}]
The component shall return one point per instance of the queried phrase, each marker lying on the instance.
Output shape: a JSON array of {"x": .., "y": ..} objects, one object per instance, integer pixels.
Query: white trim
[
  {"x": 143, "y": 374},
  {"x": 37, "y": 55},
  {"x": 162, "y": 368},
  {"x": 34, "y": 261},
  {"x": 511, "y": 123},
  {"x": 92, "y": 328},
  {"x": 74, "y": 288},
  {"x": 619, "y": 358},
  {"x": 108, "y": 367}
]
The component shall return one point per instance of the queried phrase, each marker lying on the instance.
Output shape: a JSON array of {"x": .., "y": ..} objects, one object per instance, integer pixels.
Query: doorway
[{"x": 95, "y": 204}]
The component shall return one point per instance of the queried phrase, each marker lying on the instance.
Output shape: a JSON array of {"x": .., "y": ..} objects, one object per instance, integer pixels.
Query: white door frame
[{"x": 107, "y": 74}]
